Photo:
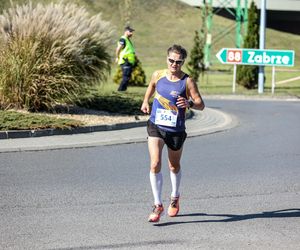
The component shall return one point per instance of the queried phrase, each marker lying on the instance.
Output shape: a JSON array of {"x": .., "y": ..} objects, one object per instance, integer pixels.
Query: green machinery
[{"x": 239, "y": 12}]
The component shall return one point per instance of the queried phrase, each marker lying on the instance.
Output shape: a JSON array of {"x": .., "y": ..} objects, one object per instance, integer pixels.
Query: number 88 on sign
[{"x": 234, "y": 56}]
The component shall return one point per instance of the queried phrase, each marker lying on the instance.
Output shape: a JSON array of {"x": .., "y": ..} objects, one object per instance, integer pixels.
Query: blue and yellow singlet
[{"x": 165, "y": 114}]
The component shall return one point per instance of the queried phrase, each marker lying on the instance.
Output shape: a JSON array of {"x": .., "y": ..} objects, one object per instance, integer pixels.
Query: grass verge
[{"x": 13, "y": 120}]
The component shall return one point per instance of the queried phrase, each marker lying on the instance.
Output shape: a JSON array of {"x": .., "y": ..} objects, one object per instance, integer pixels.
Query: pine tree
[
  {"x": 247, "y": 76},
  {"x": 196, "y": 64}
]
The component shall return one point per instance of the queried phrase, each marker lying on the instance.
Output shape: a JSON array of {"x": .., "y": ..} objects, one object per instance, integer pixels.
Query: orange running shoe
[
  {"x": 174, "y": 207},
  {"x": 156, "y": 213}
]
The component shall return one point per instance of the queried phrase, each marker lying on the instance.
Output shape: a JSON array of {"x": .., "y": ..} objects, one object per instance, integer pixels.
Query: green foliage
[
  {"x": 247, "y": 76},
  {"x": 114, "y": 103},
  {"x": 50, "y": 53},
  {"x": 138, "y": 76},
  {"x": 12, "y": 120},
  {"x": 196, "y": 64}
]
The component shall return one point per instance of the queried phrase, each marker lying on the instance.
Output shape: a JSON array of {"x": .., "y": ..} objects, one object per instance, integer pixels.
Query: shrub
[
  {"x": 196, "y": 64},
  {"x": 138, "y": 76},
  {"x": 50, "y": 54},
  {"x": 247, "y": 75}
]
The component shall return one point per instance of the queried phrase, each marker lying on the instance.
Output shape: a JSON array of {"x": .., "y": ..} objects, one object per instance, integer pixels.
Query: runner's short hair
[{"x": 179, "y": 50}]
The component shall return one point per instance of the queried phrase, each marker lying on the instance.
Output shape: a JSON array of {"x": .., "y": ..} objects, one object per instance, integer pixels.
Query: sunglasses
[{"x": 178, "y": 62}]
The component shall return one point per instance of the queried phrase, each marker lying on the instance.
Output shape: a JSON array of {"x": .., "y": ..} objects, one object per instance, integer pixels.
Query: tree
[
  {"x": 247, "y": 76},
  {"x": 196, "y": 64}
]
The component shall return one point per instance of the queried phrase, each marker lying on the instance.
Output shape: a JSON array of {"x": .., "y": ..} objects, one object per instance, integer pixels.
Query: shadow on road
[
  {"x": 125, "y": 245},
  {"x": 286, "y": 213}
]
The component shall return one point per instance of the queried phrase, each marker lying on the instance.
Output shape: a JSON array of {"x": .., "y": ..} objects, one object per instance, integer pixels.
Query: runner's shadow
[{"x": 285, "y": 213}]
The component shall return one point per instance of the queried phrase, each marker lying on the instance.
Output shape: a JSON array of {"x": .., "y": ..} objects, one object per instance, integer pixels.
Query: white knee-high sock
[
  {"x": 156, "y": 180},
  {"x": 175, "y": 180}
]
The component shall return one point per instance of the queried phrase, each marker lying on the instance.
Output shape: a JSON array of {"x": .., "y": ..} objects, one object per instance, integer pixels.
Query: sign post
[
  {"x": 256, "y": 57},
  {"x": 273, "y": 79},
  {"x": 234, "y": 78},
  {"x": 262, "y": 36}
]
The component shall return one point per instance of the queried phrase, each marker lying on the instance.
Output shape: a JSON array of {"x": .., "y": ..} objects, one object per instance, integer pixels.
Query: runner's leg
[
  {"x": 155, "y": 146},
  {"x": 175, "y": 171}
]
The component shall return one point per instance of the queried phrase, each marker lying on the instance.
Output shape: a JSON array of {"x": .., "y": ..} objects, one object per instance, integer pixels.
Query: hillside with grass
[{"x": 161, "y": 23}]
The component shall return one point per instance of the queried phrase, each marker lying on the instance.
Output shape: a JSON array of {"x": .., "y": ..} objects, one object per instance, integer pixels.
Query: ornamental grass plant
[{"x": 51, "y": 54}]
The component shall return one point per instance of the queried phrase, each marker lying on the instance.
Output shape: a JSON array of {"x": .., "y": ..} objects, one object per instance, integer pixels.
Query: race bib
[{"x": 165, "y": 117}]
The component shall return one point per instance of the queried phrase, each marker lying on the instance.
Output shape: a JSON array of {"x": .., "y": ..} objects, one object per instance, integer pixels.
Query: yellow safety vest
[{"x": 127, "y": 52}]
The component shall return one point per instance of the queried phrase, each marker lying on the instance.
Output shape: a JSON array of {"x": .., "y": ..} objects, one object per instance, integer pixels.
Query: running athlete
[{"x": 174, "y": 92}]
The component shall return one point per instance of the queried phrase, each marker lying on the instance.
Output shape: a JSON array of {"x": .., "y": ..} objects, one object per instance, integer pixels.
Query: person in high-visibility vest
[{"x": 125, "y": 57}]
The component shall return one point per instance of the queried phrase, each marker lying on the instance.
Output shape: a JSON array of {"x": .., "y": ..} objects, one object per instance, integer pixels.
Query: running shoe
[
  {"x": 156, "y": 213},
  {"x": 174, "y": 207}
]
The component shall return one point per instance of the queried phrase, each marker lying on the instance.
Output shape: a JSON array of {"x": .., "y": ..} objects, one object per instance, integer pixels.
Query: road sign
[{"x": 256, "y": 57}]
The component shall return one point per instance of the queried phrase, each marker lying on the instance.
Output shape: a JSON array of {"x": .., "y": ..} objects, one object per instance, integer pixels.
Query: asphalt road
[{"x": 240, "y": 190}]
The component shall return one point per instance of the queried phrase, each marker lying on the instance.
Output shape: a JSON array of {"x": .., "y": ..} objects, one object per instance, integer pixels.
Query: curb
[
  {"x": 253, "y": 98},
  {"x": 14, "y": 134},
  {"x": 198, "y": 123}
]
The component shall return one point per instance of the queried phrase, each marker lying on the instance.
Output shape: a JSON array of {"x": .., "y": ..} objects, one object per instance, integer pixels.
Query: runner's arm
[
  {"x": 193, "y": 91},
  {"x": 145, "y": 108}
]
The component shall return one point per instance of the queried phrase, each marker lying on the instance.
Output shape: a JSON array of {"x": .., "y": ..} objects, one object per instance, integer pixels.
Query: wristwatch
[{"x": 191, "y": 103}]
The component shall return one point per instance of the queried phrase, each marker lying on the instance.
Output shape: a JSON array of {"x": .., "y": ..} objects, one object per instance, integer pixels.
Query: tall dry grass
[{"x": 50, "y": 53}]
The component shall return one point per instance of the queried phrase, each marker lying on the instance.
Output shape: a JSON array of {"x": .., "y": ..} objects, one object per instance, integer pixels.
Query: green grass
[
  {"x": 12, "y": 120},
  {"x": 123, "y": 103}
]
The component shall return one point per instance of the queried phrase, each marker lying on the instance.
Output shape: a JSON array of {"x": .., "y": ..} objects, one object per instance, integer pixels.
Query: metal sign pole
[
  {"x": 273, "y": 80},
  {"x": 261, "y": 74},
  {"x": 234, "y": 78}
]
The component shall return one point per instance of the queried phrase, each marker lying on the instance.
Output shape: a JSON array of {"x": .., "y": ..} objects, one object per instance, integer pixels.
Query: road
[{"x": 240, "y": 190}]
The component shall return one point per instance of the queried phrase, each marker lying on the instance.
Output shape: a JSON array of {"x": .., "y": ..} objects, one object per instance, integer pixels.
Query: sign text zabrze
[{"x": 256, "y": 57}]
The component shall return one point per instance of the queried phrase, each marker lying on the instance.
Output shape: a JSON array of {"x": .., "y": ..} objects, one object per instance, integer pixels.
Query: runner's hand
[
  {"x": 145, "y": 108},
  {"x": 182, "y": 102}
]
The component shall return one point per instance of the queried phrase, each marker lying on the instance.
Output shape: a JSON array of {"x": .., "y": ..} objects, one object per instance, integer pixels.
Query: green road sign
[{"x": 256, "y": 57}]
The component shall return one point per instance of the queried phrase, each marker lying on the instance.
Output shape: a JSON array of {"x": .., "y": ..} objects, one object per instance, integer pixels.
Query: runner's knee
[
  {"x": 174, "y": 168},
  {"x": 155, "y": 166}
]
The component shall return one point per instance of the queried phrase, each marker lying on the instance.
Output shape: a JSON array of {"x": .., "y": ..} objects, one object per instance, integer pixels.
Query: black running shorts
[{"x": 174, "y": 140}]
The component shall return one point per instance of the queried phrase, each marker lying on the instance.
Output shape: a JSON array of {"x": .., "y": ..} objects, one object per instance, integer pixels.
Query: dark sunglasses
[{"x": 178, "y": 62}]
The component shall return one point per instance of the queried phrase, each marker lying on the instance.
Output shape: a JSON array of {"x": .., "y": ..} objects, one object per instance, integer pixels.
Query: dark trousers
[{"x": 126, "y": 74}]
